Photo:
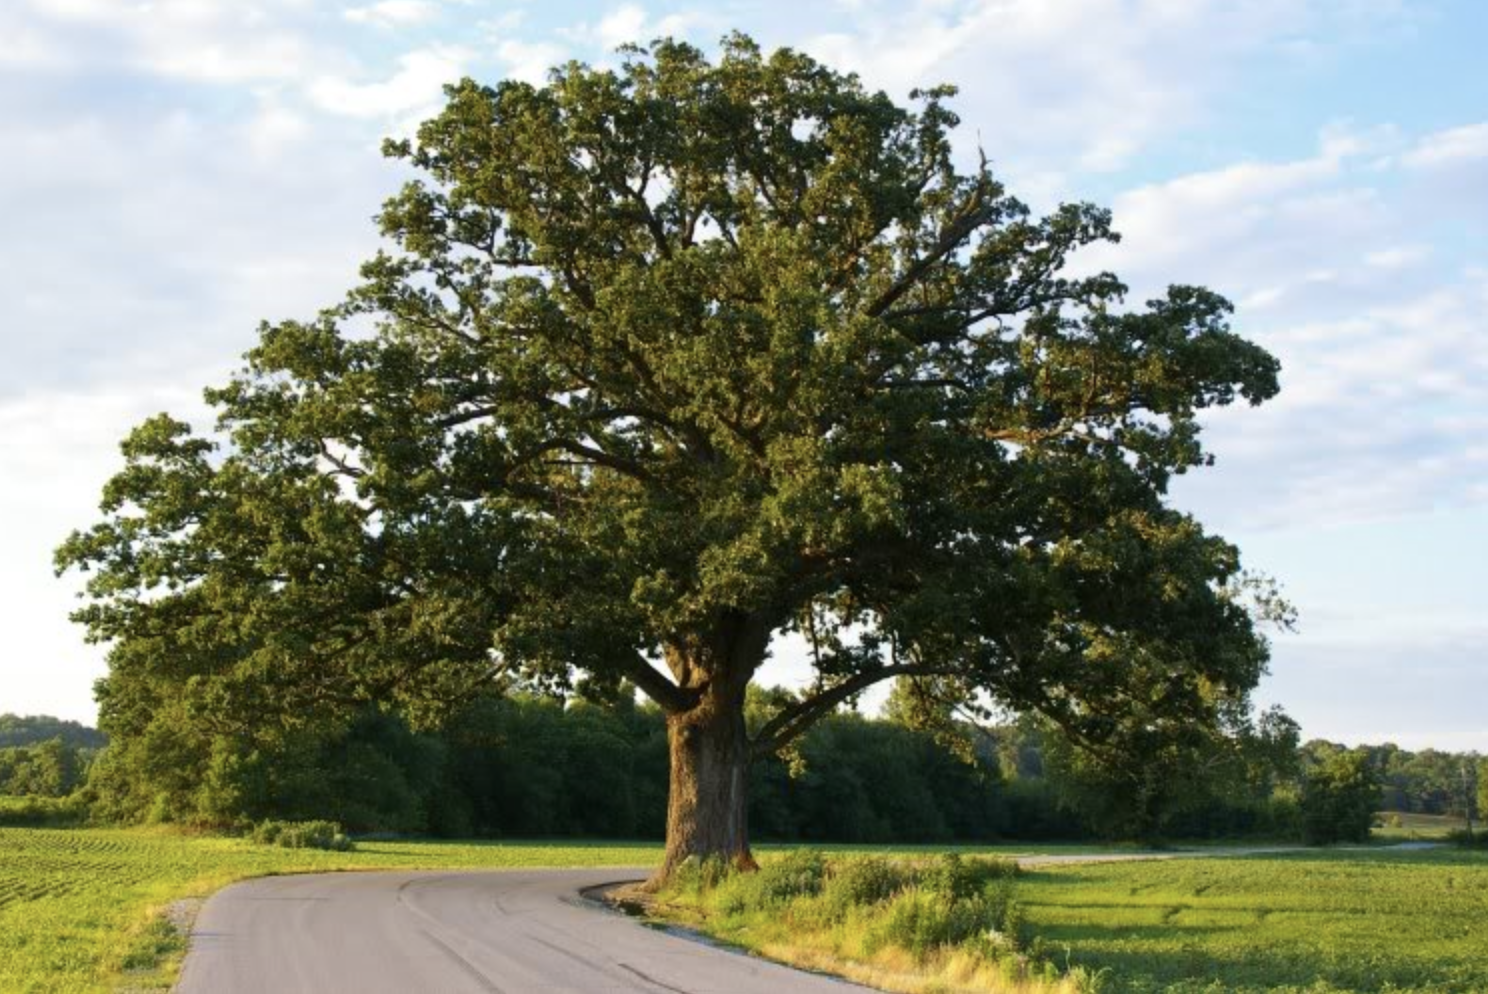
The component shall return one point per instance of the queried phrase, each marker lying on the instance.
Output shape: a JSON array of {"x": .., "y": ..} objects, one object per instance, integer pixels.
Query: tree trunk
[{"x": 708, "y": 803}]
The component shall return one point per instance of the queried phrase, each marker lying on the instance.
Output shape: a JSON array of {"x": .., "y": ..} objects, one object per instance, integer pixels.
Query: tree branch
[
  {"x": 792, "y": 721},
  {"x": 972, "y": 216},
  {"x": 656, "y": 686}
]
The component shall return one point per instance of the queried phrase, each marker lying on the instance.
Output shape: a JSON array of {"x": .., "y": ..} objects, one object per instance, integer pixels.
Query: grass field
[
  {"x": 80, "y": 910},
  {"x": 1395, "y": 826},
  {"x": 1325, "y": 921}
]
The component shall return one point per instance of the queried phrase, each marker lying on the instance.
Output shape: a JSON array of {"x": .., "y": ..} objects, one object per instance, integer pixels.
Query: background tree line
[{"x": 530, "y": 765}]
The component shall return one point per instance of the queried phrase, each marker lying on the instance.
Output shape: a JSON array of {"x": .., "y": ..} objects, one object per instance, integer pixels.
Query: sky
[{"x": 173, "y": 172}]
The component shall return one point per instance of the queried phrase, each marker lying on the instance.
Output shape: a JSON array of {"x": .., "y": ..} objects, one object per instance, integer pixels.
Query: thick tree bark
[{"x": 708, "y": 803}]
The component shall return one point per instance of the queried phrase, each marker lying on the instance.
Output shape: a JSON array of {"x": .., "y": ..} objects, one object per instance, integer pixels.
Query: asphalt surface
[
  {"x": 491, "y": 932},
  {"x": 485, "y": 931}
]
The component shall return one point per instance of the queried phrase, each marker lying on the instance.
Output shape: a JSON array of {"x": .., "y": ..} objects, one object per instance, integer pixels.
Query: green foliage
[
  {"x": 1428, "y": 781},
  {"x": 955, "y": 901},
  {"x": 660, "y": 362},
  {"x": 23, "y": 730},
  {"x": 795, "y": 875},
  {"x": 1339, "y": 798},
  {"x": 1482, "y": 809},
  {"x": 302, "y": 835},
  {"x": 54, "y": 767},
  {"x": 42, "y": 811},
  {"x": 860, "y": 882},
  {"x": 921, "y": 921},
  {"x": 956, "y": 878},
  {"x": 1205, "y": 780},
  {"x": 944, "y": 905}
]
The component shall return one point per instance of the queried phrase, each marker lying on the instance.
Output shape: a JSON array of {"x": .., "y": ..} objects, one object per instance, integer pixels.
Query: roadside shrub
[
  {"x": 860, "y": 882},
  {"x": 956, "y": 902},
  {"x": 302, "y": 835},
  {"x": 921, "y": 921},
  {"x": 958, "y": 878},
  {"x": 797, "y": 874}
]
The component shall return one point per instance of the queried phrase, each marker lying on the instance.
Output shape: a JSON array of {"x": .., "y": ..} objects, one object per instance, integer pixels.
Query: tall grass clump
[
  {"x": 950, "y": 924},
  {"x": 302, "y": 835},
  {"x": 955, "y": 903}
]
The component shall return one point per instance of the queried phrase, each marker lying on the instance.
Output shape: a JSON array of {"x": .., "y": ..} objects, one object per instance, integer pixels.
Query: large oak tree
[{"x": 662, "y": 363}]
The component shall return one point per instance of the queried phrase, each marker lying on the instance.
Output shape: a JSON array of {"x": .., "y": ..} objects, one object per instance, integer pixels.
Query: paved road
[{"x": 492, "y": 932}]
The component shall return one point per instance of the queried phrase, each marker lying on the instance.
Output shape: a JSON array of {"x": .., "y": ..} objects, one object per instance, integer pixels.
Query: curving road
[{"x": 490, "y": 932}]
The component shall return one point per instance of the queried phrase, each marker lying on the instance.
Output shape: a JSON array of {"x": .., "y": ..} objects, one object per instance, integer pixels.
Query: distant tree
[
  {"x": 1483, "y": 788},
  {"x": 667, "y": 360},
  {"x": 20, "y": 730},
  {"x": 1155, "y": 780},
  {"x": 1339, "y": 797},
  {"x": 53, "y": 768}
]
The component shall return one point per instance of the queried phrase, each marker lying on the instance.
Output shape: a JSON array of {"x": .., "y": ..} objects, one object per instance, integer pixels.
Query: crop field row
[{"x": 1321, "y": 921}]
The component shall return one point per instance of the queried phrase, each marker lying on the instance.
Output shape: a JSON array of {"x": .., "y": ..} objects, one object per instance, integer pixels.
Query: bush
[
  {"x": 302, "y": 835},
  {"x": 776, "y": 883},
  {"x": 955, "y": 902},
  {"x": 957, "y": 878},
  {"x": 920, "y": 921},
  {"x": 861, "y": 882}
]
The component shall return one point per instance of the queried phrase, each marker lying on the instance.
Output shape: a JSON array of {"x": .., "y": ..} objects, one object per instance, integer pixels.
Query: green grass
[
  {"x": 1398, "y": 826},
  {"x": 81, "y": 909},
  {"x": 1341, "y": 921}
]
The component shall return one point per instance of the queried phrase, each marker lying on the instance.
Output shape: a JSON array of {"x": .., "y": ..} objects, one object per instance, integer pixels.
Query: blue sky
[{"x": 175, "y": 171}]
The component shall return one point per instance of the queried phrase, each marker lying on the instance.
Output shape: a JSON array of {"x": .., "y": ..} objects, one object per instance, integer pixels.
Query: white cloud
[
  {"x": 530, "y": 61},
  {"x": 416, "y": 86},
  {"x": 1398, "y": 257},
  {"x": 274, "y": 128},
  {"x": 1451, "y": 147},
  {"x": 57, "y": 450},
  {"x": 185, "y": 39},
  {"x": 392, "y": 13},
  {"x": 1088, "y": 80},
  {"x": 629, "y": 23},
  {"x": 1383, "y": 357},
  {"x": 1380, "y": 416},
  {"x": 23, "y": 46},
  {"x": 622, "y": 25}
]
